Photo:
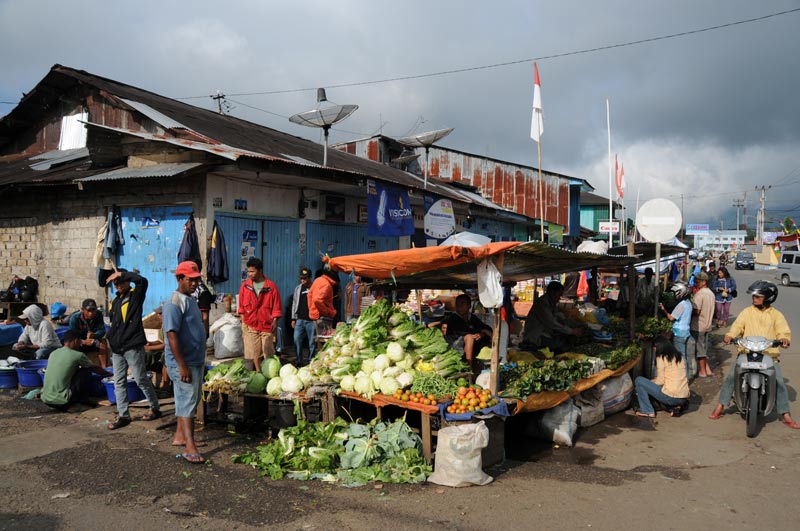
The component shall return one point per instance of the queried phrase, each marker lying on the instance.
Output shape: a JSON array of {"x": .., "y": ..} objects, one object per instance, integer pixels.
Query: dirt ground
[{"x": 67, "y": 471}]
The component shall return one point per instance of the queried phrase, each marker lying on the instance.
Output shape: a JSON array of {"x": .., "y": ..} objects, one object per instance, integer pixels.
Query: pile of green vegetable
[
  {"x": 621, "y": 355},
  {"x": 653, "y": 327},
  {"x": 384, "y": 350},
  {"x": 230, "y": 378},
  {"x": 527, "y": 378},
  {"x": 349, "y": 454}
]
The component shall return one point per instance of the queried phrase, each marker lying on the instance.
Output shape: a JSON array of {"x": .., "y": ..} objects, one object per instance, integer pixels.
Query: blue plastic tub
[
  {"x": 134, "y": 393},
  {"x": 28, "y": 374},
  {"x": 8, "y": 379}
]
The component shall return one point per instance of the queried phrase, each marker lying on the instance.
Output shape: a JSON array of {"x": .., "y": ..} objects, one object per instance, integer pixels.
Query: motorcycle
[{"x": 754, "y": 380}]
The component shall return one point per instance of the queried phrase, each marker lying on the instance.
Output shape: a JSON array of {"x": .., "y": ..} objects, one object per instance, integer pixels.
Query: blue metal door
[
  {"x": 239, "y": 232},
  {"x": 153, "y": 236}
]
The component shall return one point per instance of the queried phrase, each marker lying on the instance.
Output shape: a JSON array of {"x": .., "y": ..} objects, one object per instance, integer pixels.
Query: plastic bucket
[
  {"x": 28, "y": 374},
  {"x": 96, "y": 386},
  {"x": 134, "y": 393},
  {"x": 8, "y": 379}
]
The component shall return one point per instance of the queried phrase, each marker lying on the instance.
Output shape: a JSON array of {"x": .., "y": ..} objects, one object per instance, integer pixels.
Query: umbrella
[{"x": 466, "y": 239}]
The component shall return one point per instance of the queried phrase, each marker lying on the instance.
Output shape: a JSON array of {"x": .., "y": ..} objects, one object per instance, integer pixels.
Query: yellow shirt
[
  {"x": 768, "y": 323},
  {"x": 671, "y": 377}
]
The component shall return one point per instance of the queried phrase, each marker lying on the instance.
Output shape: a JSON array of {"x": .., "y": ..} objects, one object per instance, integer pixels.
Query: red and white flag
[
  {"x": 619, "y": 172},
  {"x": 537, "y": 123}
]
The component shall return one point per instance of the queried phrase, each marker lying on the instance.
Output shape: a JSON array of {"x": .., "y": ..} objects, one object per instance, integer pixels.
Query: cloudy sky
[{"x": 700, "y": 118}]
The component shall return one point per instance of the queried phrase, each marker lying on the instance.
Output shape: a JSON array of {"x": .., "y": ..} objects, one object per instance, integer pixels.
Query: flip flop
[
  {"x": 195, "y": 459},
  {"x": 199, "y": 444},
  {"x": 645, "y": 415},
  {"x": 793, "y": 424},
  {"x": 717, "y": 416}
]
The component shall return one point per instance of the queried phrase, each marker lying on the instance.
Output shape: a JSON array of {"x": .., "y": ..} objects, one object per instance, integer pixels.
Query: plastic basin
[
  {"x": 134, "y": 393},
  {"x": 28, "y": 374},
  {"x": 8, "y": 379}
]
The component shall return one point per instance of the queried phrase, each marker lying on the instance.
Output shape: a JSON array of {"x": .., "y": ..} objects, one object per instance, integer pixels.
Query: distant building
[{"x": 717, "y": 240}]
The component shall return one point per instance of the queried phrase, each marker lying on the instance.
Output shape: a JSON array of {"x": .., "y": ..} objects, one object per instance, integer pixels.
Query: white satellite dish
[
  {"x": 323, "y": 117},
  {"x": 659, "y": 220},
  {"x": 425, "y": 140},
  {"x": 406, "y": 156}
]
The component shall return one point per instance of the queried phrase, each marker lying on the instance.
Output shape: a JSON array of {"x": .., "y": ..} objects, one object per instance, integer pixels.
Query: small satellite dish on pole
[
  {"x": 323, "y": 117},
  {"x": 425, "y": 140},
  {"x": 405, "y": 158}
]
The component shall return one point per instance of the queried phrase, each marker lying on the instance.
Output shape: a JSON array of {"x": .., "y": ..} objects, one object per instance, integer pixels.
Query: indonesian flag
[
  {"x": 537, "y": 123},
  {"x": 619, "y": 172}
]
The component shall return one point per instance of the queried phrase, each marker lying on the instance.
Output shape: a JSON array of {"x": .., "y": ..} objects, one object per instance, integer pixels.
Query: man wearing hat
[
  {"x": 185, "y": 349},
  {"x": 127, "y": 340},
  {"x": 88, "y": 323},
  {"x": 302, "y": 324},
  {"x": 703, "y": 305}
]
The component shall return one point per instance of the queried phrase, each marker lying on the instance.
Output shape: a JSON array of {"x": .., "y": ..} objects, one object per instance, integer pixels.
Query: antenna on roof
[
  {"x": 323, "y": 117},
  {"x": 222, "y": 104}
]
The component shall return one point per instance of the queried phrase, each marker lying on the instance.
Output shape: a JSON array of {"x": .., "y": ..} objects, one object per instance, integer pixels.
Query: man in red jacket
[
  {"x": 320, "y": 302},
  {"x": 260, "y": 306}
]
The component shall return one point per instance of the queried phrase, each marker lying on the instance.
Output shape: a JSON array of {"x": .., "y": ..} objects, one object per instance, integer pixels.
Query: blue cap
[{"x": 57, "y": 309}]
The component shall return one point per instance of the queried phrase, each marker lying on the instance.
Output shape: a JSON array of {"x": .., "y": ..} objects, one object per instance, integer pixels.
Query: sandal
[
  {"x": 195, "y": 459},
  {"x": 120, "y": 422},
  {"x": 793, "y": 424},
  {"x": 645, "y": 415},
  {"x": 716, "y": 415},
  {"x": 152, "y": 415}
]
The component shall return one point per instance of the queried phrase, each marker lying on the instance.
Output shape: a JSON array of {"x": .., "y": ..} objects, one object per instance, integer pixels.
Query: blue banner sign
[
  {"x": 694, "y": 229},
  {"x": 389, "y": 209}
]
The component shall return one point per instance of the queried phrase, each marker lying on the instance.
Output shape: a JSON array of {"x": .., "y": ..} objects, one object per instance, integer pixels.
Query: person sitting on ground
[
  {"x": 760, "y": 319},
  {"x": 38, "y": 337},
  {"x": 464, "y": 324},
  {"x": 154, "y": 353},
  {"x": 88, "y": 323},
  {"x": 545, "y": 326},
  {"x": 67, "y": 379},
  {"x": 670, "y": 386}
]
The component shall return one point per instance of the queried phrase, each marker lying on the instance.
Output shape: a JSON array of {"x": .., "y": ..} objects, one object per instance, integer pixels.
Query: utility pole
[
  {"x": 220, "y": 98},
  {"x": 737, "y": 204},
  {"x": 760, "y": 223}
]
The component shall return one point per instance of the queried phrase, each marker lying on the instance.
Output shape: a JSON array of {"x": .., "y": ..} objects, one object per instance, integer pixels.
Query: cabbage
[
  {"x": 381, "y": 362},
  {"x": 388, "y": 385},
  {"x": 305, "y": 375},
  {"x": 257, "y": 383},
  {"x": 270, "y": 367},
  {"x": 288, "y": 369},
  {"x": 368, "y": 365},
  {"x": 363, "y": 386},
  {"x": 274, "y": 386},
  {"x": 405, "y": 380},
  {"x": 392, "y": 371},
  {"x": 406, "y": 363},
  {"x": 291, "y": 384},
  {"x": 376, "y": 378},
  {"x": 348, "y": 383},
  {"x": 394, "y": 351}
]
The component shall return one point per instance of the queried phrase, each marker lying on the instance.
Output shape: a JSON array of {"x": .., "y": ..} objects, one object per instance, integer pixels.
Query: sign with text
[
  {"x": 389, "y": 210},
  {"x": 440, "y": 221},
  {"x": 694, "y": 229},
  {"x": 609, "y": 226}
]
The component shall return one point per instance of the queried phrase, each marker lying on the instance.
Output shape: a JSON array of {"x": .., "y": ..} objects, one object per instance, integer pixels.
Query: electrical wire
[{"x": 518, "y": 61}]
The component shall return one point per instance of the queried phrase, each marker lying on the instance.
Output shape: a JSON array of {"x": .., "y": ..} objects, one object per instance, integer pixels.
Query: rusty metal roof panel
[
  {"x": 54, "y": 158},
  {"x": 161, "y": 119},
  {"x": 154, "y": 170}
]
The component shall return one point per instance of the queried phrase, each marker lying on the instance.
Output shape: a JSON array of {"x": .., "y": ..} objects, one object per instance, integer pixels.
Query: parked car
[
  {"x": 789, "y": 267},
  {"x": 745, "y": 261}
]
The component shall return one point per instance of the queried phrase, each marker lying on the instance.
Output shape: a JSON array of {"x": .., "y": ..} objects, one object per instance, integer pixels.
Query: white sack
[
  {"x": 227, "y": 334},
  {"x": 560, "y": 423},
  {"x": 458, "y": 456},
  {"x": 617, "y": 394}
]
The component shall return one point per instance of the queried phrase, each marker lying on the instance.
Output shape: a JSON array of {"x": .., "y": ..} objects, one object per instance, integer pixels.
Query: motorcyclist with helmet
[
  {"x": 681, "y": 317},
  {"x": 760, "y": 319}
]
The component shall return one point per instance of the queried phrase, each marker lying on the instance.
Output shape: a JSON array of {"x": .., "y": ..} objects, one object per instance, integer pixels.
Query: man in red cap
[
  {"x": 260, "y": 306},
  {"x": 185, "y": 349}
]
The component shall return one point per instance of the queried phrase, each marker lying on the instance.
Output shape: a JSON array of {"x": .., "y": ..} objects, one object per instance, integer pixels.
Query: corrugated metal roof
[
  {"x": 162, "y": 119},
  {"x": 155, "y": 170},
  {"x": 56, "y": 157}
]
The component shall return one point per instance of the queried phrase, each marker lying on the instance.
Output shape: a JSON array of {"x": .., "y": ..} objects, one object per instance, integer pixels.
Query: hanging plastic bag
[
  {"x": 490, "y": 288},
  {"x": 458, "y": 456},
  {"x": 227, "y": 334}
]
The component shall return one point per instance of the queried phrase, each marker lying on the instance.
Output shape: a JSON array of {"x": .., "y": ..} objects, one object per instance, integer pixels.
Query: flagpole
[
  {"x": 541, "y": 199},
  {"x": 610, "y": 178},
  {"x": 637, "y": 213}
]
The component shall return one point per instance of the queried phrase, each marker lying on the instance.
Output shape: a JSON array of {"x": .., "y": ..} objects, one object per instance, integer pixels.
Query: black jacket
[{"x": 128, "y": 334}]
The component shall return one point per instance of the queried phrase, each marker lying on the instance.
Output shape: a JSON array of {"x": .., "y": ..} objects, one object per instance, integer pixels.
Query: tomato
[
  {"x": 433, "y": 402},
  {"x": 462, "y": 391}
]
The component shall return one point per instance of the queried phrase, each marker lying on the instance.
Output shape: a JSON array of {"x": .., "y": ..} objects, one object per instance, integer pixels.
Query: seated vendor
[
  {"x": 67, "y": 379},
  {"x": 545, "y": 326},
  {"x": 463, "y": 324},
  {"x": 88, "y": 323},
  {"x": 38, "y": 337},
  {"x": 154, "y": 354}
]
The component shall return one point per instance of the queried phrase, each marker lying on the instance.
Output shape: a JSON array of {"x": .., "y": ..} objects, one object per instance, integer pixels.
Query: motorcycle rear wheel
[{"x": 752, "y": 412}]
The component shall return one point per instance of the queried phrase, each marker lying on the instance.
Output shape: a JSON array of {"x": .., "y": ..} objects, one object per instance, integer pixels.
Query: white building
[{"x": 720, "y": 239}]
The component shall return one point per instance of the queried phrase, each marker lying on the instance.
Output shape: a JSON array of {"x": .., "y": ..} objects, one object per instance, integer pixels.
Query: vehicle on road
[
  {"x": 745, "y": 260},
  {"x": 789, "y": 268},
  {"x": 754, "y": 382}
]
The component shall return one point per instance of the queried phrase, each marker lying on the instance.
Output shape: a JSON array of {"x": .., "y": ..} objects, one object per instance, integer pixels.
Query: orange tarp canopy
[{"x": 381, "y": 266}]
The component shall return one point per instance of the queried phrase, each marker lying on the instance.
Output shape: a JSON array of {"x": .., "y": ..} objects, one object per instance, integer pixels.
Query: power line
[
  {"x": 519, "y": 61},
  {"x": 286, "y": 117}
]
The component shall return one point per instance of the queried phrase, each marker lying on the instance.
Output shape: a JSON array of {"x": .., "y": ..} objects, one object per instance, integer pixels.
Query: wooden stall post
[{"x": 493, "y": 381}]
